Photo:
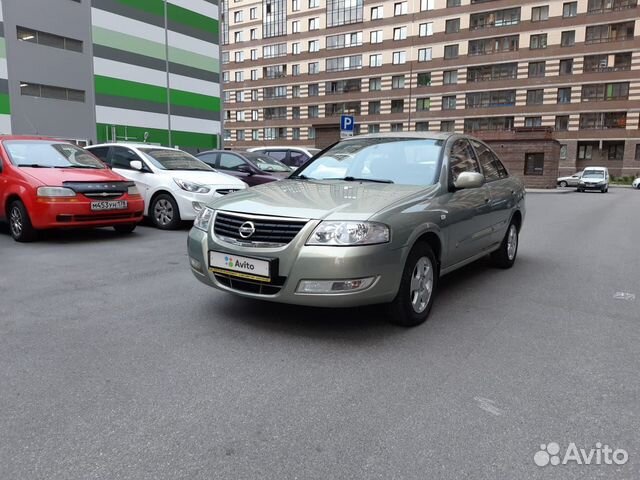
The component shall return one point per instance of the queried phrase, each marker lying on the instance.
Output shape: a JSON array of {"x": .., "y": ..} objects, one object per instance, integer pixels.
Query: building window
[
  {"x": 536, "y": 42},
  {"x": 255, "y": 115},
  {"x": 450, "y": 77},
  {"x": 498, "y": 71},
  {"x": 253, "y": 13},
  {"x": 374, "y": 107},
  {"x": 585, "y": 150},
  {"x": 540, "y": 14},
  {"x": 225, "y": 58},
  {"x": 313, "y": 46},
  {"x": 534, "y": 163},
  {"x": 566, "y": 66},
  {"x": 274, "y": 18},
  {"x": 375, "y": 84},
  {"x": 399, "y": 8},
  {"x": 497, "y": 18},
  {"x": 422, "y": 126},
  {"x": 424, "y": 79},
  {"x": 535, "y": 97},
  {"x": 225, "y": 76},
  {"x": 603, "y": 120},
  {"x": 311, "y": 133},
  {"x": 447, "y": 126},
  {"x": 272, "y": 51},
  {"x": 451, "y": 51},
  {"x": 488, "y": 124},
  {"x": 637, "y": 157},
  {"x": 532, "y": 121},
  {"x": 397, "y": 127},
  {"x": 569, "y": 9},
  {"x": 295, "y": 69},
  {"x": 491, "y": 99},
  {"x": 397, "y": 82},
  {"x": 314, "y": 3},
  {"x": 237, "y": 37},
  {"x": 48, "y": 39},
  {"x": 562, "y": 123},
  {"x": 600, "y": 6},
  {"x": 397, "y": 106},
  {"x": 255, "y": 134},
  {"x": 343, "y": 86},
  {"x": 240, "y": 135},
  {"x": 607, "y": 63},
  {"x": 427, "y": 5},
  {"x": 453, "y": 3},
  {"x": 452, "y": 25},
  {"x": 400, "y": 33},
  {"x": 333, "y": 109},
  {"x": 344, "y": 12},
  {"x": 449, "y": 102},
  {"x": 610, "y": 32},
  {"x": 399, "y": 58},
  {"x": 373, "y": 128},
  {"x": 314, "y": 24},
  {"x": 376, "y": 36},
  {"x": 605, "y": 91},
  {"x": 568, "y": 38},
  {"x": 313, "y": 68},
  {"x": 426, "y": 29},
  {"x": 376, "y": 13},
  {"x": 615, "y": 150},
  {"x": 295, "y": 112},
  {"x": 563, "y": 151},
  {"x": 313, "y": 90},
  {"x": 237, "y": 16},
  {"x": 564, "y": 95},
  {"x": 295, "y": 49},
  {"x": 375, "y": 60},
  {"x": 424, "y": 54},
  {"x": 295, "y": 133},
  {"x": 423, "y": 104},
  {"x": 536, "y": 69},
  {"x": 49, "y": 91},
  {"x": 313, "y": 111},
  {"x": 487, "y": 46},
  {"x": 344, "y": 40},
  {"x": 295, "y": 26}
]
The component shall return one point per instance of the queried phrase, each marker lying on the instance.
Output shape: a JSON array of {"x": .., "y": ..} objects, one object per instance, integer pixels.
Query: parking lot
[{"x": 117, "y": 363}]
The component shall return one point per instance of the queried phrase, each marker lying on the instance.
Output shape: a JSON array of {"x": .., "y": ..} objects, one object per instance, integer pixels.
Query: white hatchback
[{"x": 174, "y": 184}]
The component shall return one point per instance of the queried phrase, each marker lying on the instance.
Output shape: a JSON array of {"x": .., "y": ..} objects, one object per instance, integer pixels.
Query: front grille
[
  {"x": 104, "y": 195},
  {"x": 226, "y": 191},
  {"x": 248, "y": 286},
  {"x": 268, "y": 230}
]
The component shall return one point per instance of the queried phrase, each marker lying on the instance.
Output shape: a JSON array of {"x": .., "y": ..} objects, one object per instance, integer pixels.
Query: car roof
[
  {"x": 133, "y": 145},
  {"x": 282, "y": 147},
  {"x": 424, "y": 135},
  {"x": 30, "y": 137}
]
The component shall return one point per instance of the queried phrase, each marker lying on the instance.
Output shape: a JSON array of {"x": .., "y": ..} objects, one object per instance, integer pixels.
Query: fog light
[
  {"x": 197, "y": 206},
  {"x": 195, "y": 264},
  {"x": 334, "y": 286}
]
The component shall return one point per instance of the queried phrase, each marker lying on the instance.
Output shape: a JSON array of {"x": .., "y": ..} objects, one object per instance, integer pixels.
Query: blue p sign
[{"x": 346, "y": 123}]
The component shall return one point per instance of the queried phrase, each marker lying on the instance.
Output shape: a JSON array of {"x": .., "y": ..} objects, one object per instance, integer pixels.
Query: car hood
[
  {"x": 566, "y": 178},
  {"x": 592, "y": 180},
  {"x": 56, "y": 176},
  {"x": 334, "y": 200},
  {"x": 205, "y": 178}
]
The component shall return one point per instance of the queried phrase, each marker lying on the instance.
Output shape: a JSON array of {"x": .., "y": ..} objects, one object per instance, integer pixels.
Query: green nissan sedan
[{"x": 373, "y": 219}]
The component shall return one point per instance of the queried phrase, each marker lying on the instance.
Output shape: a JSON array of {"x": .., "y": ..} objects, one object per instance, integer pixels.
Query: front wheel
[
  {"x": 20, "y": 223},
  {"x": 505, "y": 256},
  {"x": 417, "y": 290},
  {"x": 164, "y": 212}
]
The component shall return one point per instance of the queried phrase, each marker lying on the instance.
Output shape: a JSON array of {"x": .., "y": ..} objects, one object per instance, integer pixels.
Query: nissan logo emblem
[{"x": 247, "y": 229}]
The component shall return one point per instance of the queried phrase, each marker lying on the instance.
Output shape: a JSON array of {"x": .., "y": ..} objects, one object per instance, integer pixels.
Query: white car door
[{"x": 121, "y": 158}]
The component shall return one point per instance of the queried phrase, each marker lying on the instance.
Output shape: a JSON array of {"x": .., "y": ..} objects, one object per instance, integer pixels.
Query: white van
[{"x": 594, "y": 178}]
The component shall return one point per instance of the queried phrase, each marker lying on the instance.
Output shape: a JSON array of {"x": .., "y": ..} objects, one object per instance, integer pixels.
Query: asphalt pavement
[{"x": 115, "y": 363}]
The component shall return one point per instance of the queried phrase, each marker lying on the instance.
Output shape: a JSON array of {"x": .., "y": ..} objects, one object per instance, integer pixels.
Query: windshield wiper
[
  {"x": 77, "y": 166},
  {"x": 301, "y": 177},
  {"x": 358, "y": 179},
  {"x": 34, "y": 165}
]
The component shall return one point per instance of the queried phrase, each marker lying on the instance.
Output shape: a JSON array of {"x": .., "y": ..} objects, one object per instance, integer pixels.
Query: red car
[{"x": 48, "y": 184}]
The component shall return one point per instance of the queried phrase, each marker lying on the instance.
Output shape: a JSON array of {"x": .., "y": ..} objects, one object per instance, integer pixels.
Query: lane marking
[
  {"x": 624, "y": 296},
  {"x": 488, "y": 406}
]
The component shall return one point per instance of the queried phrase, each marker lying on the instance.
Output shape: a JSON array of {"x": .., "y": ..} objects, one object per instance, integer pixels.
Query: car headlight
[
  {"x": 133, "y": 190},
  {"x": 55, "y": 192},
  {"x": 191, "y": 187},
  {"x": 203, "y": 219},
  {"x": 349, "y": 233}
]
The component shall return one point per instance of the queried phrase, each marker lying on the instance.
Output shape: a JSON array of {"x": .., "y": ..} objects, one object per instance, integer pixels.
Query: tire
[
  {"x": 564, "y": 184},
  {"x": 603, "y": 190},
  {"x": 506, "y": 255},
  {"x": 164, "y": 212},
  {"x": 125, "y": 228},
  {"x": 418, "y": 287},
  {"x": 19, "y": 223},
  {"x": 580, "y": 190}
]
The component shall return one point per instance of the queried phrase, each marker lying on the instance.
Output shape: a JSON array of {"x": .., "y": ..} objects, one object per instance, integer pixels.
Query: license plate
[
  {"x": 242, "y": 267},
  {"x": 109, "y": 205}
]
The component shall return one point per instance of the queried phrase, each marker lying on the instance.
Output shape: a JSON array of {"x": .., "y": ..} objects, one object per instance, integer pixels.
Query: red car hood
[{"x": 56, "y": 176}]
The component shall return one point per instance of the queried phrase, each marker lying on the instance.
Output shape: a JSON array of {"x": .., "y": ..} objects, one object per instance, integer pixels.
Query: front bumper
[
  {"x": 76, "y": 212},
  {"x": 591, "y": 186},
  {"x": 297, "y": 262},
  {"x": 189, "y": 203}
]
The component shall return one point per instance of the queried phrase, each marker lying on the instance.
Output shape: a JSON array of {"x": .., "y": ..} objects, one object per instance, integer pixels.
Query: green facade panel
[{"x": 199, "y": 141}]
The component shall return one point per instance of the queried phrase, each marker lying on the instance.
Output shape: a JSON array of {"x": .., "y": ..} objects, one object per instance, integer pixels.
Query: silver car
[
  {"x": 375, "y": 219},
  {"x": 570, "y": 181}
]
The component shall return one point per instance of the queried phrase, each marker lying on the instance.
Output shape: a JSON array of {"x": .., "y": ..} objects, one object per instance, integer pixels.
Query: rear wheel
[
  {"x": 417, "y": 290},
  {"x": 505, "y": 256},
  {"x": 20, "y": 223},
  {"x": 125, "y": 228},
  {"x": 164, "y": 212},
  {"x": 563, "y": 184}
]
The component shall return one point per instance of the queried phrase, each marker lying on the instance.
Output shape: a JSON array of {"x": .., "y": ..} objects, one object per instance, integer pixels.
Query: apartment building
[
  {"x": 103, "y": 70},
  {"x": 292, "y": 67}
]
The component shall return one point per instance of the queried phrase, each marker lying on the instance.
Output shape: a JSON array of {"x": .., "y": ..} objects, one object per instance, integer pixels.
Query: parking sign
[{"x": 347, "y": 123}]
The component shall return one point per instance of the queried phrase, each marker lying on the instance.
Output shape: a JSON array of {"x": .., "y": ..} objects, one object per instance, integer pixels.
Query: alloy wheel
[
  {"x": 16, "y": 221},
  {"x": 421, "y": 284},
  {"x": 163, "y": 212},
  {"x": 512, "y": 242}
]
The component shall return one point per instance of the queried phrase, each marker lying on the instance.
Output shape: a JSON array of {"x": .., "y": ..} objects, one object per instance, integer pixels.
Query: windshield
[
  {"x": 406, "y": 161},
  {"x": 266, "y": 163},
  {"x": 593, "y": 174},
  {"x": 45, "y": 154},
  {"x": 166, "y": 159}
]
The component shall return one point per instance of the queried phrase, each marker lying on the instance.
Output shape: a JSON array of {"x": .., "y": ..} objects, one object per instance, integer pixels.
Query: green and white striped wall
[
  {"x": 148, "y": 78},
  {"x": 5, "y": 108}
]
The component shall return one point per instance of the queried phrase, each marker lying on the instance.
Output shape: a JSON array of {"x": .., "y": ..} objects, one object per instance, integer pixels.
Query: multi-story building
[
  {"x": 291, "y": 67},
  {"x": 98, "y": 70}
]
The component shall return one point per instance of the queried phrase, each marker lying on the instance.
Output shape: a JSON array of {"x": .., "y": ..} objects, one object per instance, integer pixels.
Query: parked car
[
  {"x": 570, "y": 181},
  {"x": 636, "y": 183},
  {"x": 46, "y": 184},
  {"x": 291, "y": 156},
  {"x": 174, "y": 184},
  {"x": 594, "y": 178},
  {"x": 250, "y": 167},
  {"x": 374, "y": 219}
]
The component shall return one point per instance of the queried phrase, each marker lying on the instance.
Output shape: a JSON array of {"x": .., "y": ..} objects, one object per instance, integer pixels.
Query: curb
[{"x": 551, "y": 190}]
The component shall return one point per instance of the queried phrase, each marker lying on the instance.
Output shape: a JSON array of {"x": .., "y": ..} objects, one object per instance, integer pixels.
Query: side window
[
  {"x": 122, "y": 157},
  {"x": 102, "y": 153},
  {"x": 486, "y": 159},
  {"x": 277, "y": 154},
  {"x": 298, "y": 158},
  {"x": 502, "y": 170},
  {"x": 462, "y": 159},
  {"x": 208, "y": 158},
  {"x": 229, "y": 161}
]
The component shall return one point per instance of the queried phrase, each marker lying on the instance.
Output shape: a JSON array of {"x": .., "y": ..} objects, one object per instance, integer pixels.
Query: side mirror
[
  {"x": 469, "y": 180},
  {"x": 245, "y": 169},
  {"x": 136, "y": 165}
]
